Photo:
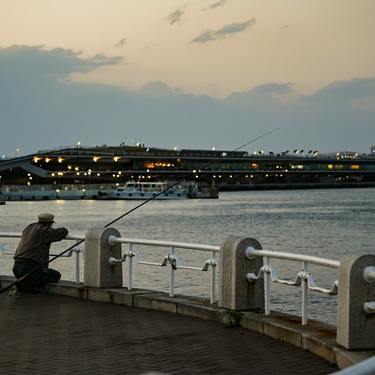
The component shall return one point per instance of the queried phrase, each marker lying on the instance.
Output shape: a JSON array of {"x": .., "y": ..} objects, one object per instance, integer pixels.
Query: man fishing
[{"x": 33, "y": 252}]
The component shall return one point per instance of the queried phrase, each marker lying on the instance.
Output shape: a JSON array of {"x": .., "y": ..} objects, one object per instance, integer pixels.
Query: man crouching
[{"x": 33, "y": 251}]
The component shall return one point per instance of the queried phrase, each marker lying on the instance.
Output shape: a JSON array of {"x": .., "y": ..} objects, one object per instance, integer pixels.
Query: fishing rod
[{"x": 224, "y": 155}]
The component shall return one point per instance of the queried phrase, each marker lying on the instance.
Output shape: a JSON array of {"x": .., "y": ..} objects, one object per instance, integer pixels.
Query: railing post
[
  {"x": 213, "y": 278},
  {"x": 355, "y": 325},
  {"x": 98, "y": 271},
  {"x": 171, "y": 284},
  {"x": 267, "y": 286},
  {"x": 77, "y": 254},
  {"x": 305, "y": 293},
  {"x": 130, "y": 267},
  {"x": 235, "y": 291}
]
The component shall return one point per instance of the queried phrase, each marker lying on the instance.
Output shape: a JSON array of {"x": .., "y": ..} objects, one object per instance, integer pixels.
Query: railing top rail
[
  {"x": 19, "y": 235},
  {"x": 250, "y": 251},
  {"x": 180, "y": 245},
  {"x": 210, "y": 248}
]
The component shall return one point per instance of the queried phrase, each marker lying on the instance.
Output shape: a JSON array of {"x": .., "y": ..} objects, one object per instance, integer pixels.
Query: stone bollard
[
  {"x": 98, "y": 272},
  {"x": 236, "y": 293},
  {"x": 355, "y": 326}
]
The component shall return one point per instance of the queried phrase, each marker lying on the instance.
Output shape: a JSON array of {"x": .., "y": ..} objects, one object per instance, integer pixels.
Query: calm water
[{"x": 327, "y": 223}]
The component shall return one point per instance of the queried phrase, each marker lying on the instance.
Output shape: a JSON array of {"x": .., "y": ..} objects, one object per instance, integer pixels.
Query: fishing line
[{"x": 224, "y": 155}]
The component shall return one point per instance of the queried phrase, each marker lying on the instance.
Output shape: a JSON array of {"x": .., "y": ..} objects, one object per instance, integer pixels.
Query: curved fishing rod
[{"x": 22, "y": 278}]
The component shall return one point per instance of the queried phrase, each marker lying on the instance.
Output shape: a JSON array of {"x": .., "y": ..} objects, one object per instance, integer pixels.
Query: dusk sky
[{"x": 192, "y": 74}]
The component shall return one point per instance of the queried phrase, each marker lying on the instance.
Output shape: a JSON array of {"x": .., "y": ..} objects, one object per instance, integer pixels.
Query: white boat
[{"x": 133, "y": 190}]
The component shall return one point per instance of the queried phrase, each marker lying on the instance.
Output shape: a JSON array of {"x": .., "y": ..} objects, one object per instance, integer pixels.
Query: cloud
[
  {"x": 348, "y": 90},
  {"x": 216, "y": 4},
  {"x": 364, "y": 104},
  {"x": 175, "y": 17},
  {"x": 225, "y": 31},
  {"x": 39, "y": 110},
  {"x": 273, "y": 88},
  {"x": 122, "y": 43},
  {"x": 157, "y": 89},
  {"x": 41, "y": 62}
]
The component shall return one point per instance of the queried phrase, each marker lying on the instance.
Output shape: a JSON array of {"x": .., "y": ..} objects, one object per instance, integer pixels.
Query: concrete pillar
[
  {"x": 236, "y": 293},
  {"x": 355, "y": 327},
  {"x": 98, "y": 272}
]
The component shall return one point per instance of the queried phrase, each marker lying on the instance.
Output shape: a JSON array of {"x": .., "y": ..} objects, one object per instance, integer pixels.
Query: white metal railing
[
  {"x": 303, "y": 279},
  {"x": 77, "y": 250},
  {"x": 170, "y": 258}
]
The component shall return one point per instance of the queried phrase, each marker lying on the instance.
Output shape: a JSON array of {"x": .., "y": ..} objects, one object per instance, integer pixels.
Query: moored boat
[{"x": 133, "y": 190}]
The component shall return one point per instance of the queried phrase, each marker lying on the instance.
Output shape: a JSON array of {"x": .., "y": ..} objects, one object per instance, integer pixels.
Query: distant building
[{"x": 226, "y": 169}]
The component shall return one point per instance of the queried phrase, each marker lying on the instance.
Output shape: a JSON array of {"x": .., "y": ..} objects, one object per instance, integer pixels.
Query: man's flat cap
[{"x": 46, "y": 218}]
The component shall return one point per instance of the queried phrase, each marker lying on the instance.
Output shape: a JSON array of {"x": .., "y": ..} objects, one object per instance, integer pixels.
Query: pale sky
[
  {"x": 309, "y": 43},
  {"x": 192, "y": 73}
]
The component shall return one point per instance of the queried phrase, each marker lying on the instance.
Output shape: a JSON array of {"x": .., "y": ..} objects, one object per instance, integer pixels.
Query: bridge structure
[{"x": 240, "y": 299}]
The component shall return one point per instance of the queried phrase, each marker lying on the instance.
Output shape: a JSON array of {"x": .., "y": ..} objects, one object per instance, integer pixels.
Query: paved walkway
[{"x": 47, "y": 334}]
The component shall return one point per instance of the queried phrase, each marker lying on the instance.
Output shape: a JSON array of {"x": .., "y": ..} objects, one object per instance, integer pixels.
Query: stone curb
[{"x": 318, "y": 338}]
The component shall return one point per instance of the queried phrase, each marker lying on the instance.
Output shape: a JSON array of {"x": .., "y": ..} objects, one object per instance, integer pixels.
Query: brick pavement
[{"x": 48, "y": 334}]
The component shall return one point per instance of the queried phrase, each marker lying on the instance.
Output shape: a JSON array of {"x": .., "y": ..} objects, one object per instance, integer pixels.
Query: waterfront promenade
[
  {"x": 235, "y": 333},
  {"x": 50, "y": 334}
]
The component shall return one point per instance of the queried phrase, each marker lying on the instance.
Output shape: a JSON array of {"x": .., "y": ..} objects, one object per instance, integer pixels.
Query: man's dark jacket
[{"x": 36, "y": 241}]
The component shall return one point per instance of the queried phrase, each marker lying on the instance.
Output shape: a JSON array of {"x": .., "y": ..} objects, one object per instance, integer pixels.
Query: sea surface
[{"x": 328, "y": 223}]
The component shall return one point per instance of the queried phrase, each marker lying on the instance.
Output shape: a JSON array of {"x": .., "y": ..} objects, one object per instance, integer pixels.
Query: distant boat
[{"x": 133, "y": 190}]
